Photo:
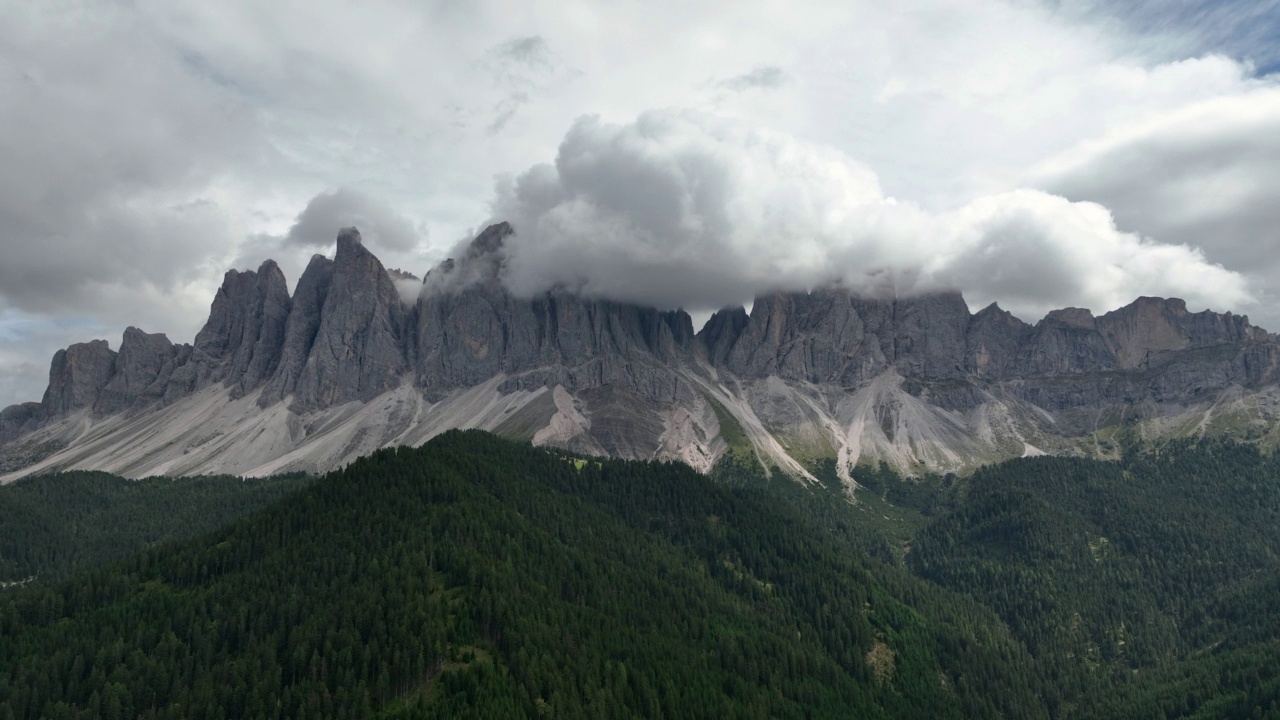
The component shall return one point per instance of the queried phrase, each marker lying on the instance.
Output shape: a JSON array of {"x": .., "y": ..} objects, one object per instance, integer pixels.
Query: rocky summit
[{"x": 344, "y": 366}]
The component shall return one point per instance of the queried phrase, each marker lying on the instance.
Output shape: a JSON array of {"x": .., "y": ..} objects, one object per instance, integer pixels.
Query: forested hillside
[
  {"x": 1167, "y": 561},
  {"x": 55, "y": 525},
  {"x": 479, "y": 578}
]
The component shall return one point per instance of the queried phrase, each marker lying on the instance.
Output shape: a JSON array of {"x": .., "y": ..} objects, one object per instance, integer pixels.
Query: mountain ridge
[{"x": 343, "y": 366}]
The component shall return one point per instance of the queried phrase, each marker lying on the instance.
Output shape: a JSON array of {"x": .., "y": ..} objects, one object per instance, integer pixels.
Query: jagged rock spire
[{"x": 357, "y": 351}]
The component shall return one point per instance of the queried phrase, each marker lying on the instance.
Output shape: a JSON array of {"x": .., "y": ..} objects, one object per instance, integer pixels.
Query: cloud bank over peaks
[
  {"x": 396, "y": 239},
  {"x": 345, "y": 207},
  {"x": 685, "y": 209}
]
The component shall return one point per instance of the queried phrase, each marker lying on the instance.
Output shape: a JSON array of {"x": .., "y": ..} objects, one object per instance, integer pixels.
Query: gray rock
[
  {"x": 721, "y": 332},
  {"x": 812, "y": 337},
  {"x": 240, "y": 344},
  {"x": 929, "y": 337},
  {"x": 19, "y": 419},
  {"x": 482, "y": 331},
  {"x": 1065, "y": 341},
  {"x": 76, "y": 376},
  {"x": 300, "y": 329},
  {"x": 1148, "y": 327},
  {"x": 256, "y": 358},
  {"x": 469, "y": 328},
  {"x": 834, "y": 336},
  {"x": 992, "y": 343},
  {"x": 139, "y": 378},
  {"x": 357, "y": 351}
]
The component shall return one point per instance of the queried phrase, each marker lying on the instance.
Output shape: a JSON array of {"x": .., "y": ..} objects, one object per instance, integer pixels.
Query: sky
[{"x": 1038, "y": 153}]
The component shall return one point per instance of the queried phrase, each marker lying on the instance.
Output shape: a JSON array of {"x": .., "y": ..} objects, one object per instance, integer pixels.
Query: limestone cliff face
[
  {"x": 469, "y": 329},
  {"x": 833, "y": 336},
  {"x": 993, "y": 343},
  {"x": 356, "y": 354},
  {"x": 300, "y": 330},
  {"x": 240, "y": 344},
  {"x": 142, "y": 370},
  {"x": 917, "y": 380},
  {"x": 1139, "y": 333},
  {"x": 1153, "y": 350},
  {"x": 76, "y": 377}
]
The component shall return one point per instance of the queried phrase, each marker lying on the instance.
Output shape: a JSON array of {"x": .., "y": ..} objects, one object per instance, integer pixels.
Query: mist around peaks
[
  {"x": 682, "y": 209},
  {"x": 685, "y": 209}
]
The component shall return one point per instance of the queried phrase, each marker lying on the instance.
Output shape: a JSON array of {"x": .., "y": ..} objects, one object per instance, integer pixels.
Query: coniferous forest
[{"x": 480, "y": 578}]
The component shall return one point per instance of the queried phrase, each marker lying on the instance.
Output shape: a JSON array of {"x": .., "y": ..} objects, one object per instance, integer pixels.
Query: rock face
[
  {"x": 1150, "y": 327},
  {"x": 142, "y": 369},
  {"x": 468, "y": 335},
  {"x": 993, "y": 343},
  {"x": 352, "y": 361},
  {"x": 19, "y": 419},
  {"x": 242, "y": 340},
  {"x": 76, "y": 377},
  {"x": 356, "y": 354},
  {"x": 301, "y": 327}
]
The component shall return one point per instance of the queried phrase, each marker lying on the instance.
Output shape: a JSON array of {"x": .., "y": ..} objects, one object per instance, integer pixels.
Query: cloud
[
  {"x": 1247, "y": 29},
  {"x": 1032, "y": 252},
  {"x": 27, "y": 342},
  {"x": 763, "y": 77},
  {"x": 681, "y": 209},
  {"x": 521, "y": 67},
  {"x": 149, "y": 145},
  {"x": 108, "y": 158},
  {"x": 393, "y": 237},
  {"x": 527, "y": 52},
  {"x": 381, "y": 227},
  {"x": 1207, "y": 175}
]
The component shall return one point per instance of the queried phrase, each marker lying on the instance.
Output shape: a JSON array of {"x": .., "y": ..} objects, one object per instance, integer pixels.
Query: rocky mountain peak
[
  {"x": 917, "y": 381},
  {"x": 142, "y": 370},
  {"x": 1075, "y": 317},
  {"x": 301, "y": 327},
  {"x": 240, "y": 343},
  {"x": 480, "y": 264},
  {"x": 721, "y": 331},
  {"x": 348, "y": 237},
  {"x": 402, "y": 275},
  {"x": 77, "y": 375},
  {"x": 490, "y": 240},
  {"x": 993, "y": 342},
  {"x": 1147, "y": 325},
  {"x": 356, "y": 353}
]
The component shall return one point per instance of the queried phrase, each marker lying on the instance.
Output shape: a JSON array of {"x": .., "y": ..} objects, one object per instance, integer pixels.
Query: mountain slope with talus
[{"x": 343, "y": 366}]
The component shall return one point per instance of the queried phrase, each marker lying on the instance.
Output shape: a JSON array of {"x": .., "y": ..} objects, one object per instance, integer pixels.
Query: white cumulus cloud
[{"x": 684, "y": 209}]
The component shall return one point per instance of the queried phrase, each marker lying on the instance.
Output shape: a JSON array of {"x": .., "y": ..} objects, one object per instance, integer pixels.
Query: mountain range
[{"x": 277, "y": 382}]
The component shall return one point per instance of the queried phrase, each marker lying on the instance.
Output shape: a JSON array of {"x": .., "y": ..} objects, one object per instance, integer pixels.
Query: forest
[
  {"x": 476, "y": 577},
  {"x": 56, "y": 525}
]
